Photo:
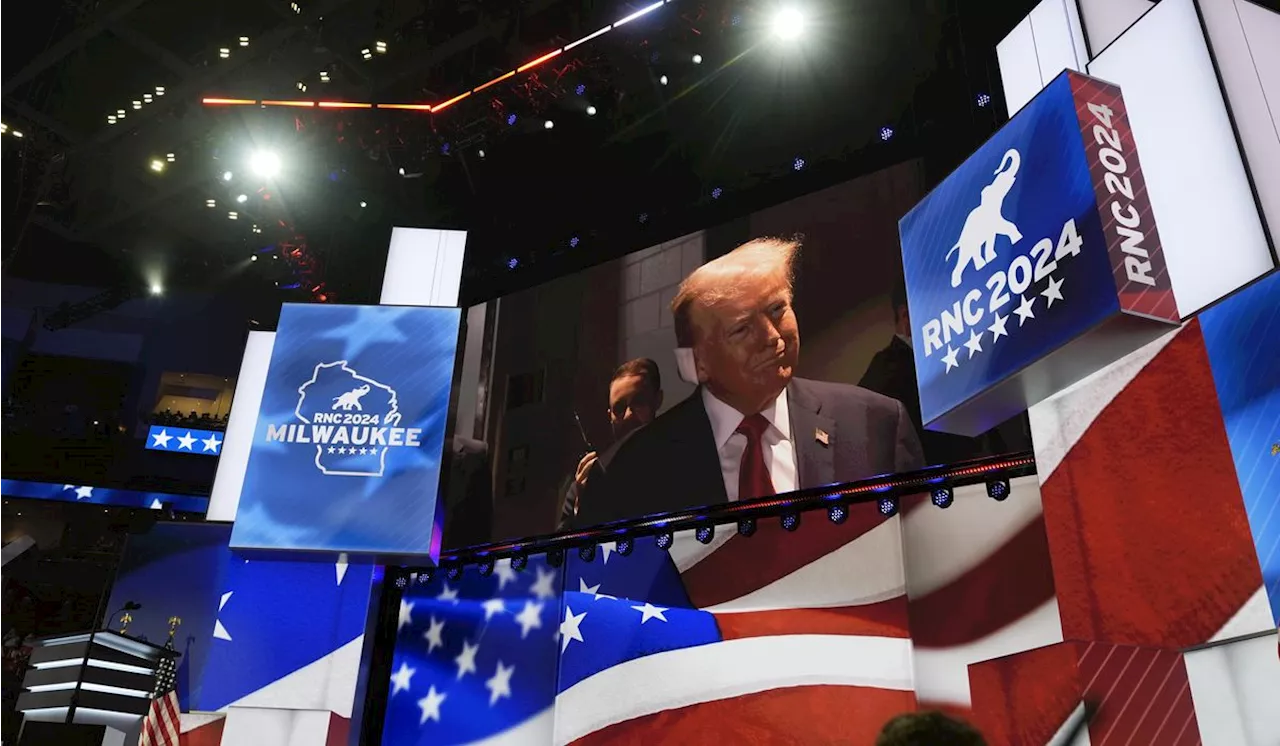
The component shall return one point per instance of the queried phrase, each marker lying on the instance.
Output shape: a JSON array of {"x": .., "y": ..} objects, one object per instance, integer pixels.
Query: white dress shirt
[{"x": 779, "y": 450}]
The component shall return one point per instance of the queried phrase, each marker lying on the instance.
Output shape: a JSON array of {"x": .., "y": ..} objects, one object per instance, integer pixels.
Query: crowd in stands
[{"x": 192, "y": 420}]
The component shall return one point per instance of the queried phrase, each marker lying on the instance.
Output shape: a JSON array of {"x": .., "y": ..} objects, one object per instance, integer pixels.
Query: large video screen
[{"x": 754, "y": 358}]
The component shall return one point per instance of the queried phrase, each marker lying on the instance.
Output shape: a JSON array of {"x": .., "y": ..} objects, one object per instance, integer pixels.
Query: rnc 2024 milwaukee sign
[
  {"x": 1036, "y": 262},
  {"x": 346, "y": 452}
]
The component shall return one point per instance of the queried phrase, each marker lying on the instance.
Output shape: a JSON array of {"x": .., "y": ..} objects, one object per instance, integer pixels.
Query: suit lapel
[
  {"x": 696, "y": 445},
  {"x": 816, "y": 460}
]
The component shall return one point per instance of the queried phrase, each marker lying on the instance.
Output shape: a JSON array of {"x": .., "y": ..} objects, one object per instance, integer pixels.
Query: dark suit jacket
[
  {"x": 467, "y": 490},
  {"x": 673, "y": 464}
]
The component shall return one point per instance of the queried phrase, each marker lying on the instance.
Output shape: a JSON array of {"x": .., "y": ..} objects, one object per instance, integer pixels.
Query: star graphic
[
  {"x": 529, "y": 618},
  {"x": 649, "y": 611},
  {"x": 997, "y": 327},
  {"x": 186, "y": 441},
  {"x": 493, "y": 606},
  {"x": 406, "y": 614},
  {"x": 500, "y": 685},
  {"x": 331, "y": 449},
  {"x": 372, "y": 325},
  {"x": 593, "y": 590},
  {"x": 211, "y": 443},
  {"x": 975, "y": 343},
  {"x": 466, "y": 660},
  {"x": 950, "y": 359},
  {"x": 448, "y": 594},
  {"x": 434, "y": 635},
  {"x": 400, "y": 679},
  {"x": 84, "y": 493},
  {"x": 570, "y": 628},
  {"x": 544, "y": 586},
  {"x": 1053, "y": 291},
  {"x": 502, "y": 569},
  {"x": 1023, "y": 311},
  {"x": 161, "y": 439},
  {"x": 607, "y": 548},
  {"x": 430, "y": 705}
]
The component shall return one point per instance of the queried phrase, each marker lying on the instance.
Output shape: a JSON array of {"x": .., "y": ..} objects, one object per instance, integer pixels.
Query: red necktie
[{"x": 753, "y": 475}]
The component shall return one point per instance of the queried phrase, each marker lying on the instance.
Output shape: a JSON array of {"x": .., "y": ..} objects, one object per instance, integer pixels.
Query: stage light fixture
[
  {"x": 157, "y": 288},
  {"x": 453, "y": 572},
  {"x": 548, "y": 124},
  {"x": 295, "y": 8},
  {"x": 159, "y": 90},
  {"x": 302, "y": 86},
  {"x": 581, "y": 89},
  {"x": 998, "y": 489},
  {"x": 265, "y": 163},
  {"x": 170, "y": 157},
  {"x": 111, "y": 119},
  {"x": 555, "y": 557},
  {"x": 224, "y": 53},
  {"x": 664, "y": 540},
  {"x": 480, "y": 152},
  {"x": 888, "y": 506},
  {"x": 233, "y": 215},
  {"x": 486, "y": 567},
  {"x": 788, "y": 24},
  {"x": 573, "y": 242},
  {"x": 798, "y": 164},
  {"x": 587, "y": 553},
  {"x": 983, "y": 100},
  {"x": 380, "y": 46},
  {"x": 211, "y": 203},
  {"x": 146, "y": 98},
  {"x": 226, "y": 176},
  {"x": 715, "y": 193},
  {"x": 244, "y": 41},
  {"x": 401, "y": 170},
  {"x": 256, "y": 229},
  {"x": 157, "y": 165},
  {"x": 444, "y": 148},
  {"x": 663, "y": 80},
  {"x": 366, "y": 53},
  {"x": 426, "y": 575},
  {"x": 644, "y": 217},
  {"x": 838, "y": 513},
  {"x": 511, "y": 120},
  {"x": 242, "y": 198},
  {"x": 519, "y": 562},
  {"x": 705, "y": 534},
  {"x": 324, "y": 76},
  {"x": 697, "y": 59},
  {"x": 790, "y": 521},
  {"x": 591, "y": 111},
  {"x": 253, "y": 258},
  {"x": 942, "y": 497},
  {"x": 363, "y": 203},
  {"x": 401, "y": 582},
  {"x": 624, "y": 546},
  {"x": 137, "y": 105},
  {"x": 746, "y": 527},
  {"x": 886, "y": 133},
  {"x": 512, "y": 263}
]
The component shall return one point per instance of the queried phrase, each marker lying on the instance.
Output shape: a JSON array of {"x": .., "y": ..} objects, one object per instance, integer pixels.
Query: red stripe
[
  {"x": 794, "y": 715},
  {"x": 1143, "y": 696},
  {"x": 209, "y": 734},
  {"x": 1025, "y": 698},
  {"x": 1012, "y": 581},
  {"x": 883, "y": 619}
]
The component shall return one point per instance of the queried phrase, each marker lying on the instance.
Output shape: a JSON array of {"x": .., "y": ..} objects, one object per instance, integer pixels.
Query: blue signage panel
[
  {"x": 92, "y": 495},
  {"x": 347, "y": 448},
  {"x": 1035, "y": 263},
  {"x": 184, "y": 440}
]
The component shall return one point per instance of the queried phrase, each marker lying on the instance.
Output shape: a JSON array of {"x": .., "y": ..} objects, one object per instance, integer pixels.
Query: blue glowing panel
[
  {"x": 1035, "y": 263},
  {"x": 1242, "y": 336},
  {"x": 347, "y": 447},
  {"x": 184, "y": 440},
  {"x": 91, "y": 495}
]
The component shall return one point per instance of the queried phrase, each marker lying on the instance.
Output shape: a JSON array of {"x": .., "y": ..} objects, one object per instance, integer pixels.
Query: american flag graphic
[{"x": 162, "y": 724}]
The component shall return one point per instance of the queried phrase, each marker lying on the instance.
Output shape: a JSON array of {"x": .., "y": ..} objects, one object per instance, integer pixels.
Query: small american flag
[{"x": 160, "y": 728}]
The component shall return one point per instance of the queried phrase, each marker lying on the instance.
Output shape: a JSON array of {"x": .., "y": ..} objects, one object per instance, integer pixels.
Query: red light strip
[
  {"x": 538, "y": 61},
  {"x": 343, "y": 105},
  {"x": 228, "y": 101},
  {"x": 407, "y": 107},
  {"x": 495, "y": 81},
  {"x": 302, "y": 104},
  {"x": 450, "y": 102}
]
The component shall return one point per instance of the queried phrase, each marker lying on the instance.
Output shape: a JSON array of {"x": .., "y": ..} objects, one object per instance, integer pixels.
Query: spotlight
[
  {"x": 998, "y": 489},
  {"x": 170, "y": 157},
  {"x": 663, "y": 80},
  {"x": 788, "y": 24},
  {"x": 120, "y": 113},
  {"x": 798, "y": 164},
  {"x": 363, "y": 203},
  {"x": 581, "y": 89},
  {"x": 511, "y": 119},
  {"x": 573, "y": 242},
  {"x": 211, "y": 203},
  {"x": 644, "y": 217},
  {"x": 591, "y": 111},
  {"x": 888, "y": 506},
  {"x": 486, "y": 568},
  {"x": 555, "y": 557},
  {"x": 18, "y": 134},
  {"x": 253, "y": 258},
  {"x": 401, "y": 582},
  {"x": 256, "y": 229},
  {"x": 746, "y": 527},
  {"x": 697, "y": 59},
  {"x": 519, "y": 562},
  {"x": 157, "y": 288},
  {"x": 587, "y": 553},
  {"x": 157, "y": 165},
  {"x": 381, "y": 46},
  {"x": 146, "y": 98},
  {"x": 624, "y": 546},
  {"x": 324, "y": 76},
  {"x": 401, "y": 170},
  {"x": 790, "y": 521},
  {"x": 265, "y": 163},
  {"x": 942, "y": 497},
  {"x": 453, "y": 572},
  {"x": 548, "y": 124},
  {"x": 983, "y": 100},
  {"x": 715, "y": 193},
  {"x": 243, "y": 198},
  {"x": 444, "y": 149},
  {"x": 159, "y": 90},
  {"x": 244, "y": 41},
  {"x": 886, "y": 133},
  {"x": 137, "y": 105},
  {"x": 705, "y": 534},
  {"x": 365, "y": 53},
  {"x": 512, "y": 263},
  {"x": 233, "y": 215},
  {"x": 295, "y": 7},
  {"x": 663, "y": 540},
  {"x": 111, "y": 119},
  {"x": 426, "y": 575},
  {"x": 226, "y": 176},
  {"x": 480, "y": 152},
  {"x": 224, "y": 53},
  {"x": 838, "y": 514}
]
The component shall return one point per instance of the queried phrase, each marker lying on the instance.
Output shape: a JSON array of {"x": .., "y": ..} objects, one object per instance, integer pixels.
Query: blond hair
[{"x": 719, "y": 278}]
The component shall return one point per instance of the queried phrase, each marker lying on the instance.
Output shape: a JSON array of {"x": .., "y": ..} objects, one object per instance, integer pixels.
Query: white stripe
[
  {"x": 723, "y": 670},
  {"x": 537, "y": 729},
  {"x": 1060, "y": 737},
  {"x": 1059, "y": 422},
  {"x": 1254, "y": 615},
  {"x": 866, "y": 570},
  {"x": 189, "y": 721},
  {"x": 943, "y": 545},
  {"x": 942, "y": 674}
]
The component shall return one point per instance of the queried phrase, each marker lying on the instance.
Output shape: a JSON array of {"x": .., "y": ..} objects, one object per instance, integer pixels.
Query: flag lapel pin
[{"x": 821, "y": 436}]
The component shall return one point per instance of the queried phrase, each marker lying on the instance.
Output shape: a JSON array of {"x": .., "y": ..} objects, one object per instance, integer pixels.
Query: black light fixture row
[{"x": 886, "y": 492}]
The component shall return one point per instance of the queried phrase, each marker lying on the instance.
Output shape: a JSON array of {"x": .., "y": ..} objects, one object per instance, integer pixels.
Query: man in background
[
  {"x": 892, "y": 372},
  {"x": 635, "y": 396},
  {"x": 751, "y": 429}
]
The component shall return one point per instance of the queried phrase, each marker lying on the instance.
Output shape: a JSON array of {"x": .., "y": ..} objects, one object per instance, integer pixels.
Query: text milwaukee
[{"x": 344, "y": 435}]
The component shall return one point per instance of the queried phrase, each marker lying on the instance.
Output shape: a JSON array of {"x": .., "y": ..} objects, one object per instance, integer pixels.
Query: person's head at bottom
[
  {"x": 928, "y": 729},
  {"x": 635, "y": 396}
]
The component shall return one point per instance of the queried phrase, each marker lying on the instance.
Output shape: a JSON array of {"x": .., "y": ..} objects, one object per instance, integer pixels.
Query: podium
[{"x": 102, "y": 678}]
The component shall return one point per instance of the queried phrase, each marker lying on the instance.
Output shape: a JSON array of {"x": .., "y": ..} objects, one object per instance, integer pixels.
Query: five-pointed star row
[
  {"x": 1024, "y": 311},
  {"x": 352, "y": 450},
  {"x": 186, "y": 441}
]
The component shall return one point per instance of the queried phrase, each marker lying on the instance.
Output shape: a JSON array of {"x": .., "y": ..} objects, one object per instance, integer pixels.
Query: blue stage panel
[
  {"x": 92, "y": 495},
  {"x": 184, "y": 440}
]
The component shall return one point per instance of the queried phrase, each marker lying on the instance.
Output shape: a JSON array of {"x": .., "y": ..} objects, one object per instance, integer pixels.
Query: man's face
[
  {"x": 749, "y": 342},
  {"x": 632, "y": 404}
]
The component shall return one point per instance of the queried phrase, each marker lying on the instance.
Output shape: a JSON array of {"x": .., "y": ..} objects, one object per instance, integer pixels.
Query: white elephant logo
[
  {"x": 977, "y": 242},
  {"x": 351, "y": 399}
]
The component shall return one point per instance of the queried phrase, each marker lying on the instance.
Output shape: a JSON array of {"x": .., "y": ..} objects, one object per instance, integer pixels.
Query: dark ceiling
[{"x": 83, "y": 206}]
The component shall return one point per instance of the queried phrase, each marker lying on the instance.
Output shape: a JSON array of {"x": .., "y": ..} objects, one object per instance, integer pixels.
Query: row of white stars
[
  {"x": 499, "y": 686},
  {"x": 1024, "y": 311},
  {"x": 353, "y": 450},
  {"x": 162, "y": 438}
]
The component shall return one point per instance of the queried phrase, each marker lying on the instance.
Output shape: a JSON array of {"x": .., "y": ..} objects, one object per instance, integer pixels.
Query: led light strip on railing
[
  {"x": 88, "y": 687},
  {"x": 432, "y": 108},
  {"x": 93, "y": 662}
]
